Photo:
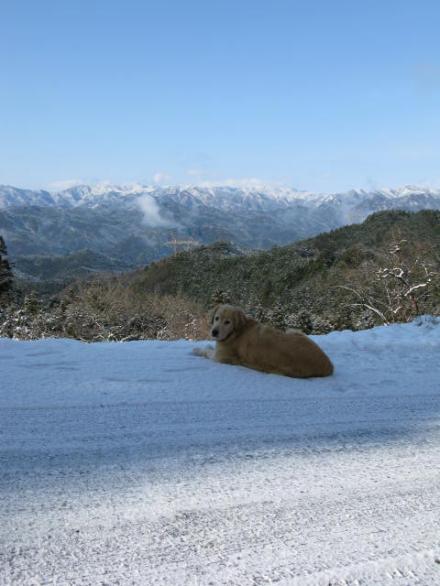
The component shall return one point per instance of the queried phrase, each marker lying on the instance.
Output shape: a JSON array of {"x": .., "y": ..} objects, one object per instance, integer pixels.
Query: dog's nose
[{"x": 214, "y": 333}]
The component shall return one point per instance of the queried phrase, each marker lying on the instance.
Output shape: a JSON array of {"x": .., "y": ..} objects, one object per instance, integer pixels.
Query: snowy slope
[
  {"x": 140, "y": 463},
  {"x": 253, "y": 196}
]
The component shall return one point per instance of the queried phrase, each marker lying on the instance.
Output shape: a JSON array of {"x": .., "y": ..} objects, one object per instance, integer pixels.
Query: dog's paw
[
  {"x": 198, "y": 352},
  {"x": 207, "y": 352}
]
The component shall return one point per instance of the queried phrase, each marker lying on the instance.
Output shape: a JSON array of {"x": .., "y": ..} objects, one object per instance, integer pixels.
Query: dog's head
[{"x": 227, "y": 320}]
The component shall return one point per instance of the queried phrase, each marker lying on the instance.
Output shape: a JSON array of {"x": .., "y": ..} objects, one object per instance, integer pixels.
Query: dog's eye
[
  {"x": 217, "y": 318},
  {"x": 227, "y": 322}
]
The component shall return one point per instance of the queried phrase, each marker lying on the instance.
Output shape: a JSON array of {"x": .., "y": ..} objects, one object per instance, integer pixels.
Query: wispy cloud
[
  {"x": 65, "y": 184},
  {"x": 159, "y": 178},
  {"x": 244, "y": 182},
  {"x": 151, "y": 211},
  {"x": 196, "y": 172}
]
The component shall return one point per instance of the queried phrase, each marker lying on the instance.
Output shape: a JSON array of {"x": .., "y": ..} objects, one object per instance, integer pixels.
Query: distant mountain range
[{"x": 107, "y": 227}]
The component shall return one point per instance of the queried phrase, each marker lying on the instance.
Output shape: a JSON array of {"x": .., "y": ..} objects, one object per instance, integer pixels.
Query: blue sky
[{"x": 320, "y": 95}]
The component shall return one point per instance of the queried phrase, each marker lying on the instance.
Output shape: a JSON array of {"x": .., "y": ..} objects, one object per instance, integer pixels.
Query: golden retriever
[{"x": 242, "y": 340}]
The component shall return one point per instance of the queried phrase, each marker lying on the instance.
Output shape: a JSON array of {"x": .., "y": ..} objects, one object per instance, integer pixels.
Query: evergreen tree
[{"x": 6, "y": 278}]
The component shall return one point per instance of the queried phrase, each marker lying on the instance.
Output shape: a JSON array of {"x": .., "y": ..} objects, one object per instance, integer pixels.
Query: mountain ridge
[
  {"x": 96, "y": 194},
  {"x": 135, "y": 225}
]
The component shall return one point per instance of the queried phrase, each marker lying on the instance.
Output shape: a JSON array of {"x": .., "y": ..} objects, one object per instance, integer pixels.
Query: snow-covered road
[{"x": 139, "y": 463}]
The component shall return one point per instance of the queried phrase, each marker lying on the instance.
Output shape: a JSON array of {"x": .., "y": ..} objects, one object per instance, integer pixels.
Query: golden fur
[{"x": 242, "y": 340}]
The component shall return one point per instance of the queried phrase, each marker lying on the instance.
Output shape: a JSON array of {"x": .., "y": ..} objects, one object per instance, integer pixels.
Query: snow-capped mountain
[
  {"x": 13, "y": 196},
  {"x": 253, "y": 196},
  {"x": 257, "y": 197},
  {"x": 134, "y": 224}
]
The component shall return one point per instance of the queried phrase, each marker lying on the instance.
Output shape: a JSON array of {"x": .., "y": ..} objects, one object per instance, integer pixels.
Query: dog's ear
[
  {"x": 239, "y": 319},
  {"x": 212, "y": 313}
]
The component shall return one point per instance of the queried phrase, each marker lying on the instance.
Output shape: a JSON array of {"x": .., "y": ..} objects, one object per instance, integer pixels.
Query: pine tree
[
  {"x": 6, "y": 277},
  {"x": 32, "y": 305}
]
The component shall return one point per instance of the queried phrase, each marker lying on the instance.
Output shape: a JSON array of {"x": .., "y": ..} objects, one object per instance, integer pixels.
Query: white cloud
[
  {"x": 65, "y": 184},
  {"x": 151, "y": 211},
  {"x": 160, "y": 177},
  {"x": 249, "y": 183},
  {"x": 194, "y": 172}
]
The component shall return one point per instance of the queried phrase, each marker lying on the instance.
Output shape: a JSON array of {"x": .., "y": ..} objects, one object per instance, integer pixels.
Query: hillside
[
  {"x": 134, "y": 225},
  {"x": 382, "y": 271},
  {"x": 306, "y": 283}
]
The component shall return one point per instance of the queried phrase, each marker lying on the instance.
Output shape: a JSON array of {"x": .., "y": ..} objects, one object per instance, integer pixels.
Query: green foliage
[
  {"x": 32, "y": 304},
  {"x": 6, "y": 276},
  {"x": 314, "y": 282},
  {"x": 386, "y": 269}
]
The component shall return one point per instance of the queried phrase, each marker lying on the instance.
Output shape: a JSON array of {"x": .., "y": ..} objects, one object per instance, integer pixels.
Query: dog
[{"x": 243, "y": 341}]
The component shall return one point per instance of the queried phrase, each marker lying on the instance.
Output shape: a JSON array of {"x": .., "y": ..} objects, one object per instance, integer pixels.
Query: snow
[
  {"x": 139, "y": 463},
  {"x": 226, "y": 195}
]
